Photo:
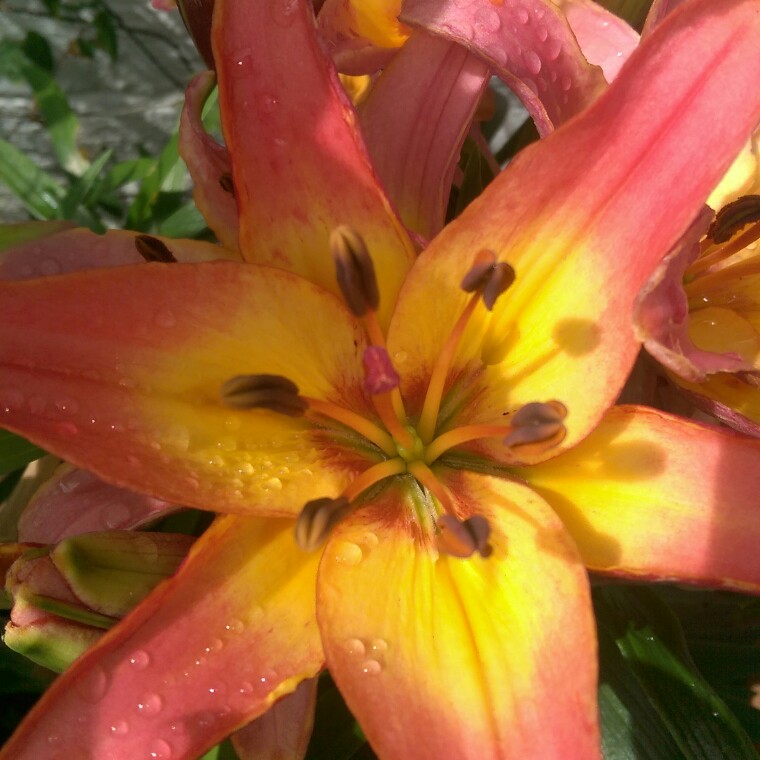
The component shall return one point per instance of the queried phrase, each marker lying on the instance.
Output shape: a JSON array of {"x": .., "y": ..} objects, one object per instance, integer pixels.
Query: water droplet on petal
[
  {"x": 532, "y": 61},
  {"x": 139, "y": 659},
  {"x": 67, "y": 428},
  {"x": 347, "y": 553},
  {"x": 565, "y": 83},
  {"x": 243, "y": 63},
  {"x": 487, "y": 19},
  {"x": 522, "y": 14},
  {"x": 369, "y": 541},
  {"x": 115, "y": 515},
  {"x": 371, "y": 667},
  {"x": 92, "y": 687},
  {"x": 159, "y": 749},
  {"x": 268, "y": 103},
  {"x": 246, "y": 688},
  {"x": 542, "y": 33},
  {"x": 378, "y": 646},
  {"x": 10, "y": 399},
  {"x": 273, "y": 484},
  {"x": 150, "y": 705},
  {"x": 355, "y": 647},
  {"x": 67, "y": 406},
  {"x": 53, "y": 739},
  {"x": 553, "y": 49},
  {"x": 120, "y": 728}
]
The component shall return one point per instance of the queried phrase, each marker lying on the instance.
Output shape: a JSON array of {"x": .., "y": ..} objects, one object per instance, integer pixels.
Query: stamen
[
  {"x": 354, "y": 270},
  {"x": 374, "y": 474},
  {"x": 537, "y": 423},
  {"x": 273, "y": 392},
  {"x": 226, "y": 183},
  {"x": 489, "y": 279},
  {"x": 317, "y": 519},
  {"x": 733, "y": 217},
  {"x": 460, "y": 435},
  {"x": 710, "y": 258},
  {"x": 153, "y": 249},
  {"x": 710, "y": 280},
  {"x": 462, "y": 538}
]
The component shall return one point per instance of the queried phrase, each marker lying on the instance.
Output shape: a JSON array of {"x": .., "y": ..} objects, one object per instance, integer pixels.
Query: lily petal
[
  {"x": 208, "y": 163},
  {"x": 283, "y": 731},
  {"x": 126, "y": 381},
  {"x": 651, "y": 495},
  {"x": 605, "y": 39},
  {"x": 75, "y": 501},
  {"x": 415, "y": 120},
  {"x": 297, "y": 178},
  {"x": 529, "y": 45},
  {"x": 579, "y": 216},
  {"x": 443, "y": 657},
  {"x": 205, "y": 653},
  {"x": 79, "y": 249}
]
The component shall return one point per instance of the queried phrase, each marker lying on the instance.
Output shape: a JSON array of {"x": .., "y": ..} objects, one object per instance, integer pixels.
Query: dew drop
[
  {"x": 532, "y": 61},
  {"x": 488, "y": 19},
  {"x": 565, "y": 83},
  {"x": 234, "y": 626},
  {"x": 93, "y": 687},
  {"x": 371, "y": 667},
  {"x": 356, "y": 648},
  {"x": 280, "y": 142},
  {"x": 243, "y": 64},
  {"x": 49, "y": 267},
  {"x": 67, "y": 428},
  {"x": 347, "y": 553},
  {"x": 378, "y": 646},
  {"x": 522, "y": 14},
  {"x": 542, "y": 33},
  {"x": 246, "y": 688},
  {"x": 67, "y": 406},
  {"x": 266, "y": 681},
  {"x": 232, "y": 423},
  {"x": 400, "y": 357},
  {"x": 268, "y": 103},
  {"x": 150, "y": 705},
  {"x": 273, "y": 484},
  {"x": 53, "y": 739},
  {"x": 284, "y": 12},
  {"x": 160, "y": 749},
  {"x": 369, "y": 540},
  {"x": 139, "y": 659},
  {"x": 553, "y": 49},
  {"x": 120, "y": 728},
  {"x": 115, "y": 515},
  {"x": 10, "y": 399}
]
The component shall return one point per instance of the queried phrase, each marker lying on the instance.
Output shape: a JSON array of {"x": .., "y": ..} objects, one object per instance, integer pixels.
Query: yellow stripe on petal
[
  {"x": 469, "y": 658},
  {"x": 121, "y": 371},
  {"x": 209, "y": 650},
  {"x": 649, "y": 495}
]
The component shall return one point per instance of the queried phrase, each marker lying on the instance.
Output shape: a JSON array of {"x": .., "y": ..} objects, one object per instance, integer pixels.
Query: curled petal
[
  {"x": 439, "y": 656},
  {"x": 208, "y": 651},
  {"x": 208, "y": 163},
  {"x": 529, "y": 45}
]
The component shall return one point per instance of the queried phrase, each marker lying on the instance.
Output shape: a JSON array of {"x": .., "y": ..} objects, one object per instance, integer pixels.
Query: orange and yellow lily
[{"x": 456, "y": 447}]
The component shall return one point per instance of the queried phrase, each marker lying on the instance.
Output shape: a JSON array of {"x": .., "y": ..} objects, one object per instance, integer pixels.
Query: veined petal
[
  {"x": 75, "y": 501},
  {"x": 650, "y": 495},
  {"x": 77, "y": 249},
  {"x": 415, "y": 120},
  {"x": 298, "y": 177},
  {"x": 120, "y": 371},
  {"x": 208, "y": 651},
  {"x": 580, "y": 218},
  {"x": 208, "y": 163},
  {"x": 529, "y": 45},
  {"x": 469, "y": 658},
  {"x": 283, "y": 731},
  {"x": 604, "y": 38}
]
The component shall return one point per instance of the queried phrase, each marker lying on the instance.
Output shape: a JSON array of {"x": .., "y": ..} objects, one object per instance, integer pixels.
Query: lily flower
[
  {"x": 698, "y": 314},
  {"x": 414, "y": 460}
]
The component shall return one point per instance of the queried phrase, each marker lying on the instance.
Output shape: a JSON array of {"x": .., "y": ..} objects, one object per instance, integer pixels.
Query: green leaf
[
  {"x": 655, "y": 704},
  {"x": 37, "y": 49},
  {"x": 82, "y": 188},
  {"x": 16, "y": 234},
  {"x": 223, "y": 751},
  {"x": 185, "y": 222},
  {"x": 37, "y": 190},
  {"x": 107, "y": 38},
  {"x": 16, "y": 452}
]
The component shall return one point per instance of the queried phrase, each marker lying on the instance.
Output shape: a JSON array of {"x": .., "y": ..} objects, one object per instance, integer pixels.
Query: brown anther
[
  {"x": 462, "y": 538},
  {"x": 537, "y": 423},
  {"x": 153, "y": 249},
  {"x": 354, "y": 270},
  {"x": 226, "y": 183},
  {"x": 489, "y": 276},
  {"x": 379, "y": 374},
  {"x": 733, "y": 217},
  {"x": 273, "y": 392},
  {"x": 317, "y": 519}
]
